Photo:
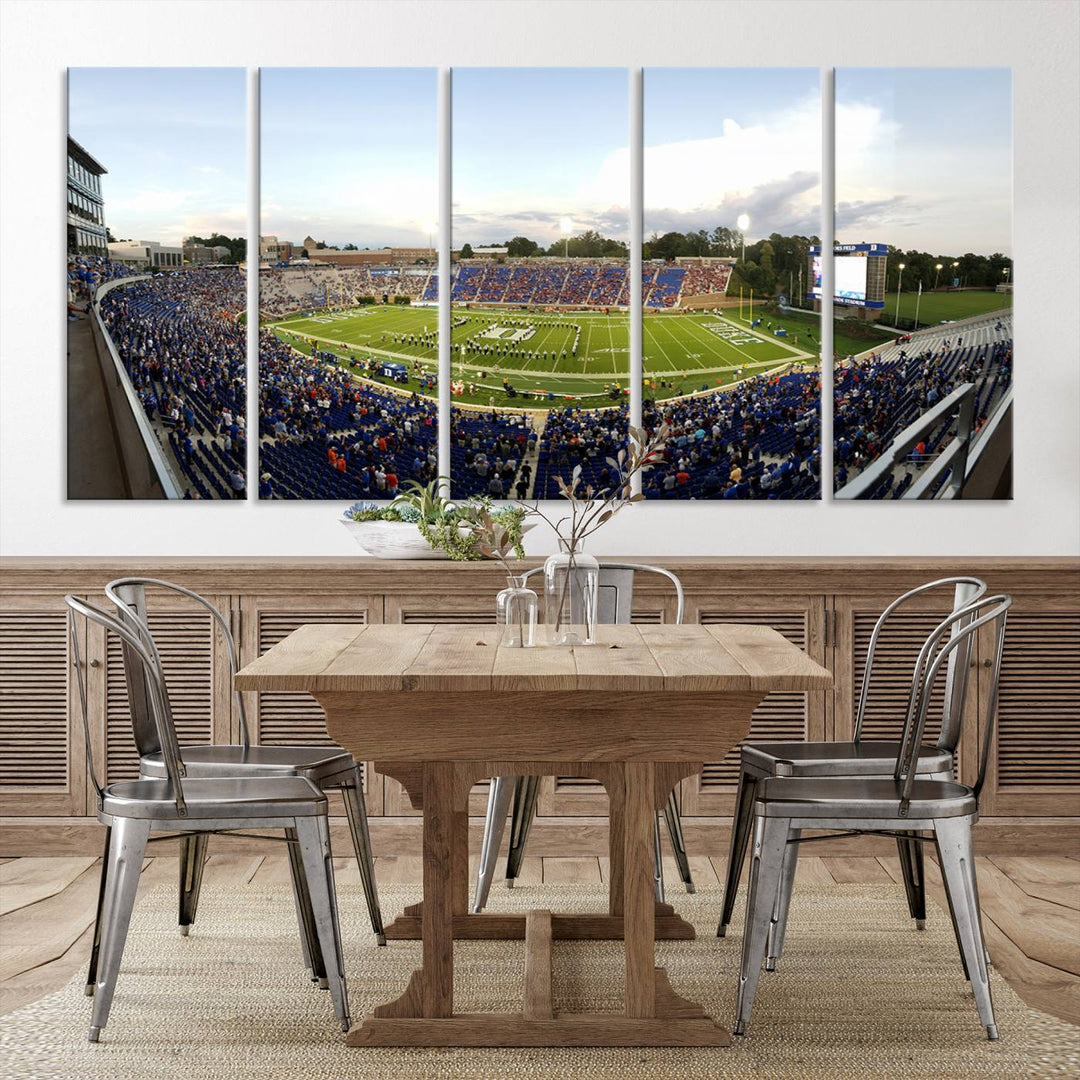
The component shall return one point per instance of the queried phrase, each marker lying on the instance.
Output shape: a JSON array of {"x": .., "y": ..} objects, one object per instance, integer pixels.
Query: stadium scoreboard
[{"x": 859, "y": 275}]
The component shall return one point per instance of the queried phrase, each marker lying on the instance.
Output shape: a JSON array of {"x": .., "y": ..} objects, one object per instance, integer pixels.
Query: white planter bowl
[
  {"x": 391, "y": 540},
  {"x": 398, "y": 539}
]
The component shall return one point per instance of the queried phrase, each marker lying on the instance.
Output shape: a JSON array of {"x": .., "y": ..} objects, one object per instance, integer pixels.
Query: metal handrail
[{"x": 963, "y": 397}]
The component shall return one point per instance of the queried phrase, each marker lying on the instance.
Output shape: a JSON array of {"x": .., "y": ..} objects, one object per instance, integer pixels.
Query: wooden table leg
[
  {"x": 639, "y": 904},
  {"x": 653, "y": 1015}
]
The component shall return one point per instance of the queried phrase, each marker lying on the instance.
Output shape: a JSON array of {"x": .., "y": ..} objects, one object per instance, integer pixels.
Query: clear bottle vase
[
  {"x": 571, "y": 586},
  {"x": 515, "y": 609}
]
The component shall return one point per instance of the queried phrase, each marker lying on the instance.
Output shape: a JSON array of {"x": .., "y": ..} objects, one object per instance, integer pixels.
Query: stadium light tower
[
  {"x": 937, "y": 270},
  {"x": 430, "y": 228},
  {"x": 566, "y": 227},
  {"x": 742, "y": 223},
  {"x": 899, "y": 278},
  {"x": 955, "y": 268}
]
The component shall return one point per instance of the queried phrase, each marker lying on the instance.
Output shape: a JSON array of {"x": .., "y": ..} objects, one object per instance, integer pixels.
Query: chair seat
[
  {"x": 221, "y": 797},
  {"x": 224, "y": 759},
  {"x": 863, "y": 758},
  {"x": 847, "y": 797}
]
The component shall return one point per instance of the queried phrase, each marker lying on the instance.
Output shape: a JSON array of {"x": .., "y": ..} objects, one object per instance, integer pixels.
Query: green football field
[
  {"x": 935, "y": 307},
  {"x": 579, "y": 355}
]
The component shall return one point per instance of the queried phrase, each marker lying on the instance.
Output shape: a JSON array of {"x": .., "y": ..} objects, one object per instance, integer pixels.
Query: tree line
[
  {"x": 237, "y": 245},
  {"x": 770, "y": 265}
]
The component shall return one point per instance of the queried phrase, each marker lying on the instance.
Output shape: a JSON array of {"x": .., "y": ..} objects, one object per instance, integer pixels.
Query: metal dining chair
[
  {"x": 178, "y": 805},
  {"x": 859, "y": 757},
  {"x": 900, "y": 805},
  {"x": 614, "y": 605},
  {"x": 327, "y": 767}
]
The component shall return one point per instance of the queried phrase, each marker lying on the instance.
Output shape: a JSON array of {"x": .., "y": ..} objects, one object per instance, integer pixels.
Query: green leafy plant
[{"x": 465, "y": 532}]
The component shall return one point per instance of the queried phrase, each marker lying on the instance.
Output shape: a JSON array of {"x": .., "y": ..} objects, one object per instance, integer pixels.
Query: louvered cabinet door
[
  {"x": 782, "y": 716},
  {"x": 282, "y": 718},
  {"x": 435, "y": 611},
  {"x": 42, "y": 756},
  {"x": 895, "y": 655},
  {"x": 1034, "y": 766},
  {"x": 197, "y": 675}
]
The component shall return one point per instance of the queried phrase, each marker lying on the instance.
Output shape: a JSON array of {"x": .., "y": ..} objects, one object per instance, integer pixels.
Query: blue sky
[
  {"x": 174, "y": 142},
  {"x": 924, "y": 158},
  {"x": 533, "y": 147},
  {"x": 349, "y": 155},
  {"x": 721, "y": 142}
]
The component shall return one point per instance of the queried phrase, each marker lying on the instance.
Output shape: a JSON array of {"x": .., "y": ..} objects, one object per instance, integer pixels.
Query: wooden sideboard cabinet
[{"x": 826, "y": 606}]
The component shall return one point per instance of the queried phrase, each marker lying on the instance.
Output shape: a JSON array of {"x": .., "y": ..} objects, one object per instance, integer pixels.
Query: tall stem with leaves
[{"x": 591, "y": 507}]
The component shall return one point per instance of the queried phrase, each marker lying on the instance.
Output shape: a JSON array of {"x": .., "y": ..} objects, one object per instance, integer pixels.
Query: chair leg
[
  {"x": 313, "y": 834},
  {"x": 741, "y": 826},
  {"x": 911, "y": 865},
  {"x": 500, "y": 793},
  {"x": 356, "y": 814},
  {"x": 678, "y": 844},
  {"x": 766, "y": 865},
  {"x": 95, "y": 949},
  {"x": 526, "y": 791},
  {"x": 658, "y": 862},
  {"x": 953, "y": 838},
  {"x": 309, "y": 937},
  {"x": 192, "y": 861},
  {"x": 783, "y": 900},
  {"x": 126, "y": 850}
]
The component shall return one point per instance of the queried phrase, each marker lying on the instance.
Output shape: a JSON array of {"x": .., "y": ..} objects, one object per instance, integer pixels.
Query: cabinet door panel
[
  {"x": 280, "y": 717},
  {"x": 781, "y": 717},
  {"x": 1034, "y": 766},
  {"x": 42, "y": 753}
]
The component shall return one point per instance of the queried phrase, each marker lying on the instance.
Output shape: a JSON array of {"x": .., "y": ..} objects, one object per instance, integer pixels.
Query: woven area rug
[{"x": 859, "y": 994}]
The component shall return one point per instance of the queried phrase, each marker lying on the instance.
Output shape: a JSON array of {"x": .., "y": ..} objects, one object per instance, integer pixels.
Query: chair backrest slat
[
  {"x": 129, "y": 596},
  {"x": 953, "y": 636},
  {"x": 965, "y": 591},
  {"x": 148, "y": 674}
]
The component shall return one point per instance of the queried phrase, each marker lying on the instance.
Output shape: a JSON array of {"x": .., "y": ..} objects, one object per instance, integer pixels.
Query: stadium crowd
[
  {"x": 185, "y": 354},
  {"x": 876, "y": 397},
  {"x": 323, "y": 435}
]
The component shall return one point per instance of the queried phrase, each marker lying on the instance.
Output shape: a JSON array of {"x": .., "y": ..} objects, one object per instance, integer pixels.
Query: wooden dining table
[{"x": 441, "y": 707}]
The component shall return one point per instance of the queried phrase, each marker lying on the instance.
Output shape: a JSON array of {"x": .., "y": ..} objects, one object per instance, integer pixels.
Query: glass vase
[
  {"x": 571, "y": 585},
  {"x": 515, "y": 609}
]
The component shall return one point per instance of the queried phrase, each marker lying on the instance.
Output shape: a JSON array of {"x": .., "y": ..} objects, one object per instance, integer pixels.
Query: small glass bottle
[
  {"x": 516, "y": 608},
  {"x": 571, "y": 587}
]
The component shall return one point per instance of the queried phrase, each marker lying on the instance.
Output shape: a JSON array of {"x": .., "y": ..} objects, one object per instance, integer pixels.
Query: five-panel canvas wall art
[{"x": 561, "y": 334}]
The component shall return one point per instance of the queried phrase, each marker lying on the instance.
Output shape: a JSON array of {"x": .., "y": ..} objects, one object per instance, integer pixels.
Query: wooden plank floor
[{"x": 1031, "y": 910}]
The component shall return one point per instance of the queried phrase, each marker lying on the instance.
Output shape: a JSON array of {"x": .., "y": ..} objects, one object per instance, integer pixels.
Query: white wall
[{"x": 1039, "y": 41}]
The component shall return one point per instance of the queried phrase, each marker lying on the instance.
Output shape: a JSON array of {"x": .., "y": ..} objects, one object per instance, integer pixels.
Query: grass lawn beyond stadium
[{"x": 549, "y": 358}]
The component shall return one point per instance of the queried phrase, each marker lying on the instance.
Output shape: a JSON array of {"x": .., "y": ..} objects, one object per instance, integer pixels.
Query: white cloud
[{"x": 729, "y": 168}]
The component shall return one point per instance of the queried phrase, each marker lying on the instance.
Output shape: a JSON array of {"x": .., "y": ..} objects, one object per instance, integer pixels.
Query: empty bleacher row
[{"x": 185, "y": 354}]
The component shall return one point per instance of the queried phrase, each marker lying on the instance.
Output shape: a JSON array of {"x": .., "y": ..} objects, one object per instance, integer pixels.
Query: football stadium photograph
[
  {"x": 518, "y": 559},
  {"x": 157, "y": 351}
]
